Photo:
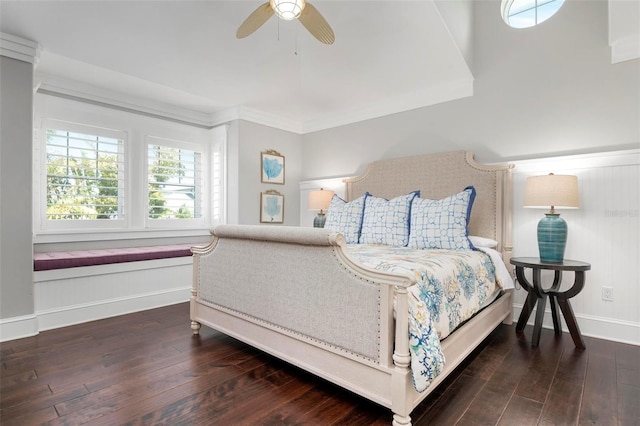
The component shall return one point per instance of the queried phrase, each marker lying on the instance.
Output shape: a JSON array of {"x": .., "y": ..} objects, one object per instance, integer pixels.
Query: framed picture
[
  {"x": 272, "y": 167},
  {"x": 271, "y": 207}
]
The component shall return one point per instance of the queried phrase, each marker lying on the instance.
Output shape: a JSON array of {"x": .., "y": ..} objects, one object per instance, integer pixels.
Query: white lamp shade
[
  {"x": 288, "y": 9},
  {"x": 320, "y": 199},
  {"x": 556, "y": 191}
]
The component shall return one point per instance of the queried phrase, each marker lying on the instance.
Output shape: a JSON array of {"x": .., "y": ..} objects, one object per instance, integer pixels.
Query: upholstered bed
[{"x": 329, "y": 304}]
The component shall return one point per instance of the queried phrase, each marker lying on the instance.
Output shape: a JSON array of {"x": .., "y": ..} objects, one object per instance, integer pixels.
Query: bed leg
[
  {"x": 508, "y": 320},
  {"x": 399, "y": 420},
  {"x": 195, "y": 326}
]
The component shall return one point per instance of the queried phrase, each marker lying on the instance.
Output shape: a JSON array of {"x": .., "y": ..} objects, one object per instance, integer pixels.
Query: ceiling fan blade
[
  {"x": 316, "y": 24},
  {"x": 255, "y": 20}
]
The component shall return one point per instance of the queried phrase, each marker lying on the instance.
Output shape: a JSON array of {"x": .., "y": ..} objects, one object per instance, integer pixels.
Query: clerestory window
[{"x": 528, "y": 13}]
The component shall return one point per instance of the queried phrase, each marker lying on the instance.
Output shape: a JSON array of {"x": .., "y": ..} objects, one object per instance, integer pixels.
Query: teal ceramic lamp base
[
  {"x": 552, "y": 238},
  {"x": 319, "y": 220}
]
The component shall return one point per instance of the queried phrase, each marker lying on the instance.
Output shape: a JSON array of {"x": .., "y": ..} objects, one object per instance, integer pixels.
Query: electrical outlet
[{"x": 607, "y": 294}]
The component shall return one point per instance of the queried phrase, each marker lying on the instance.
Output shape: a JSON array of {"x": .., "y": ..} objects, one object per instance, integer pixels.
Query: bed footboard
[
  {"x": 295, "y": 293},
  {"x": 299, "y": 282}
]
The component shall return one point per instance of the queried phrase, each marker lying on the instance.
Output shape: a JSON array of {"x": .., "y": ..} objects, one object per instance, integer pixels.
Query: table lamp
[
  {"x": 320, "y": 200},
  {"x": 554, "y": 191}
]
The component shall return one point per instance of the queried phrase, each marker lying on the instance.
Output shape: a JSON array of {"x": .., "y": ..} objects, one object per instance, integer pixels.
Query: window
[
  {"x": 528, "y": 13},
  {"x": 174, "y": 181},
  {"x": 103, "y": 173},
  {"x": 85, "y": 174}
]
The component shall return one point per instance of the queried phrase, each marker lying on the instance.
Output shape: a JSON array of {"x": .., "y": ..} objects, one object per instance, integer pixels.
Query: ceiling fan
[{"x": 289, "y": 10}]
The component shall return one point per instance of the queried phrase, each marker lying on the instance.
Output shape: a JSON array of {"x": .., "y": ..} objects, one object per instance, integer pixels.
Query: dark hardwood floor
[{"x": 146, "y": 368}]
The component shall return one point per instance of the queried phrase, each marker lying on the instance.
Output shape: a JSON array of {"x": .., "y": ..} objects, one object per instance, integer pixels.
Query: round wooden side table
[{"x": 538, "y": 294}]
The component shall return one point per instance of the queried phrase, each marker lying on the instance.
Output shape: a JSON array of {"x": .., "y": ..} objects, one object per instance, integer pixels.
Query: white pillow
[
  {"x": 442, "y": 224},
  {"x": 346, "y": 218},
  {"x": 387, "y": 221},
  {"x": 483, "y": 242}
]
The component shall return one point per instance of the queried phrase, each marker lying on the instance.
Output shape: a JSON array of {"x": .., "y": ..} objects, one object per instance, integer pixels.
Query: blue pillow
[
  {"x": 442, "y": 224},
  {"x": 346, "y": 218},
  {"x": 387, "y": 221}
]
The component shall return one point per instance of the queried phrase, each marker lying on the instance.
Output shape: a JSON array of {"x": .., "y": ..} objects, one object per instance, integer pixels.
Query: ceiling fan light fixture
[
  {"x": 288, "y": 9},
  {"x": 309, "y": 17}
]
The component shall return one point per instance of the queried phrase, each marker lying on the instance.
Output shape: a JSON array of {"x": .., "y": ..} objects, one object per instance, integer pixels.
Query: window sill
[{"x": 57, "y": 236}]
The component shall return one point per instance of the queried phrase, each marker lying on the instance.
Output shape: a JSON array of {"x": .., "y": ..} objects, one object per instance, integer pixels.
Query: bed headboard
[{"x": 443, "y": 174}]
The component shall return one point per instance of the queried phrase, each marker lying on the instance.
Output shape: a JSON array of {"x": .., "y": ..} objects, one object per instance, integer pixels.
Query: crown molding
[
  {"x": 578, "y": 161},
  {"x": 70, "y": 89},
  {"x": 625, "y": 49},
  {"x": 268, "y": 119},
  {"x": 19, "y": 48},
  {"x": 431, "y": 96},
  {"x": 55, "y": 85}
]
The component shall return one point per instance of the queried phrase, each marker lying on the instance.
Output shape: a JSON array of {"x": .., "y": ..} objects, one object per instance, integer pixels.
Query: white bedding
[{"x": 502, "y": 273}]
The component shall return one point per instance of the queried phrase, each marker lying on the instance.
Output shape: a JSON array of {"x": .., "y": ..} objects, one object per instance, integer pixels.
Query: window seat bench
[
  {"x": 76, "y": 286},
  {"x": 77, "y": 258}
]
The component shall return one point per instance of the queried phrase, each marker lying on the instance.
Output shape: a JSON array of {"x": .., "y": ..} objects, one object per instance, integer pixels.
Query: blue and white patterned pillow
[
  {"x": 442, "y": 224},
  {"x": 346, "y": 218},
  {"x": 387, "y": 221}
]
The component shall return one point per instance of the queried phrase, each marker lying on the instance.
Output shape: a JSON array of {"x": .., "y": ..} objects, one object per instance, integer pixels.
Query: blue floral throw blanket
[{"x": 452, "y": 285}]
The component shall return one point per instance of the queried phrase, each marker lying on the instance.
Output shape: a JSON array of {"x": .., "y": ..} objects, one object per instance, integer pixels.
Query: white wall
[
  {"x": 246, "y": 141},
  {"x": 458, "y": 16},
  {"x": 544, "y": 91},
  {"x": 604, "y": 231}
]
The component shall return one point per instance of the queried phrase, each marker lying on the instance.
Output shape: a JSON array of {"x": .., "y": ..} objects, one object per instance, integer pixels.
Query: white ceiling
[{"x": 389, "y": 56}]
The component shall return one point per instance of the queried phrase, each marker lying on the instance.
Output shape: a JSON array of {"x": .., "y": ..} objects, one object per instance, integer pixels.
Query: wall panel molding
[{"x": 604, "y": 231}]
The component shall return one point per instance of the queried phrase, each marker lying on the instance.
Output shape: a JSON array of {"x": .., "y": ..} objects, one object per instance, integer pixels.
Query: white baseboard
[
  {"x": 592, "y": 326},
  {"x": 30, "y": 325},
  {"x": 18, "y": 327},
  {"x": 70, "y": 315}
]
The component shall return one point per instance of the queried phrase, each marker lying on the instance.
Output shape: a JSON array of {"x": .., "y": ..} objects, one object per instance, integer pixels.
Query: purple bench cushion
[{"x": 73, "y": 259}]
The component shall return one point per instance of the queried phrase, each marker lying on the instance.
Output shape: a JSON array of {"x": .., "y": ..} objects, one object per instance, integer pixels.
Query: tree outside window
[
  {"x": 173, "y": 183},
  {"x": 84, "y": 176}
]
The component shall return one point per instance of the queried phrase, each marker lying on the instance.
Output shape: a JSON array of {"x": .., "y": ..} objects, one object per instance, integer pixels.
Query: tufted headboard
[{"x": 443, "y": 174}]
